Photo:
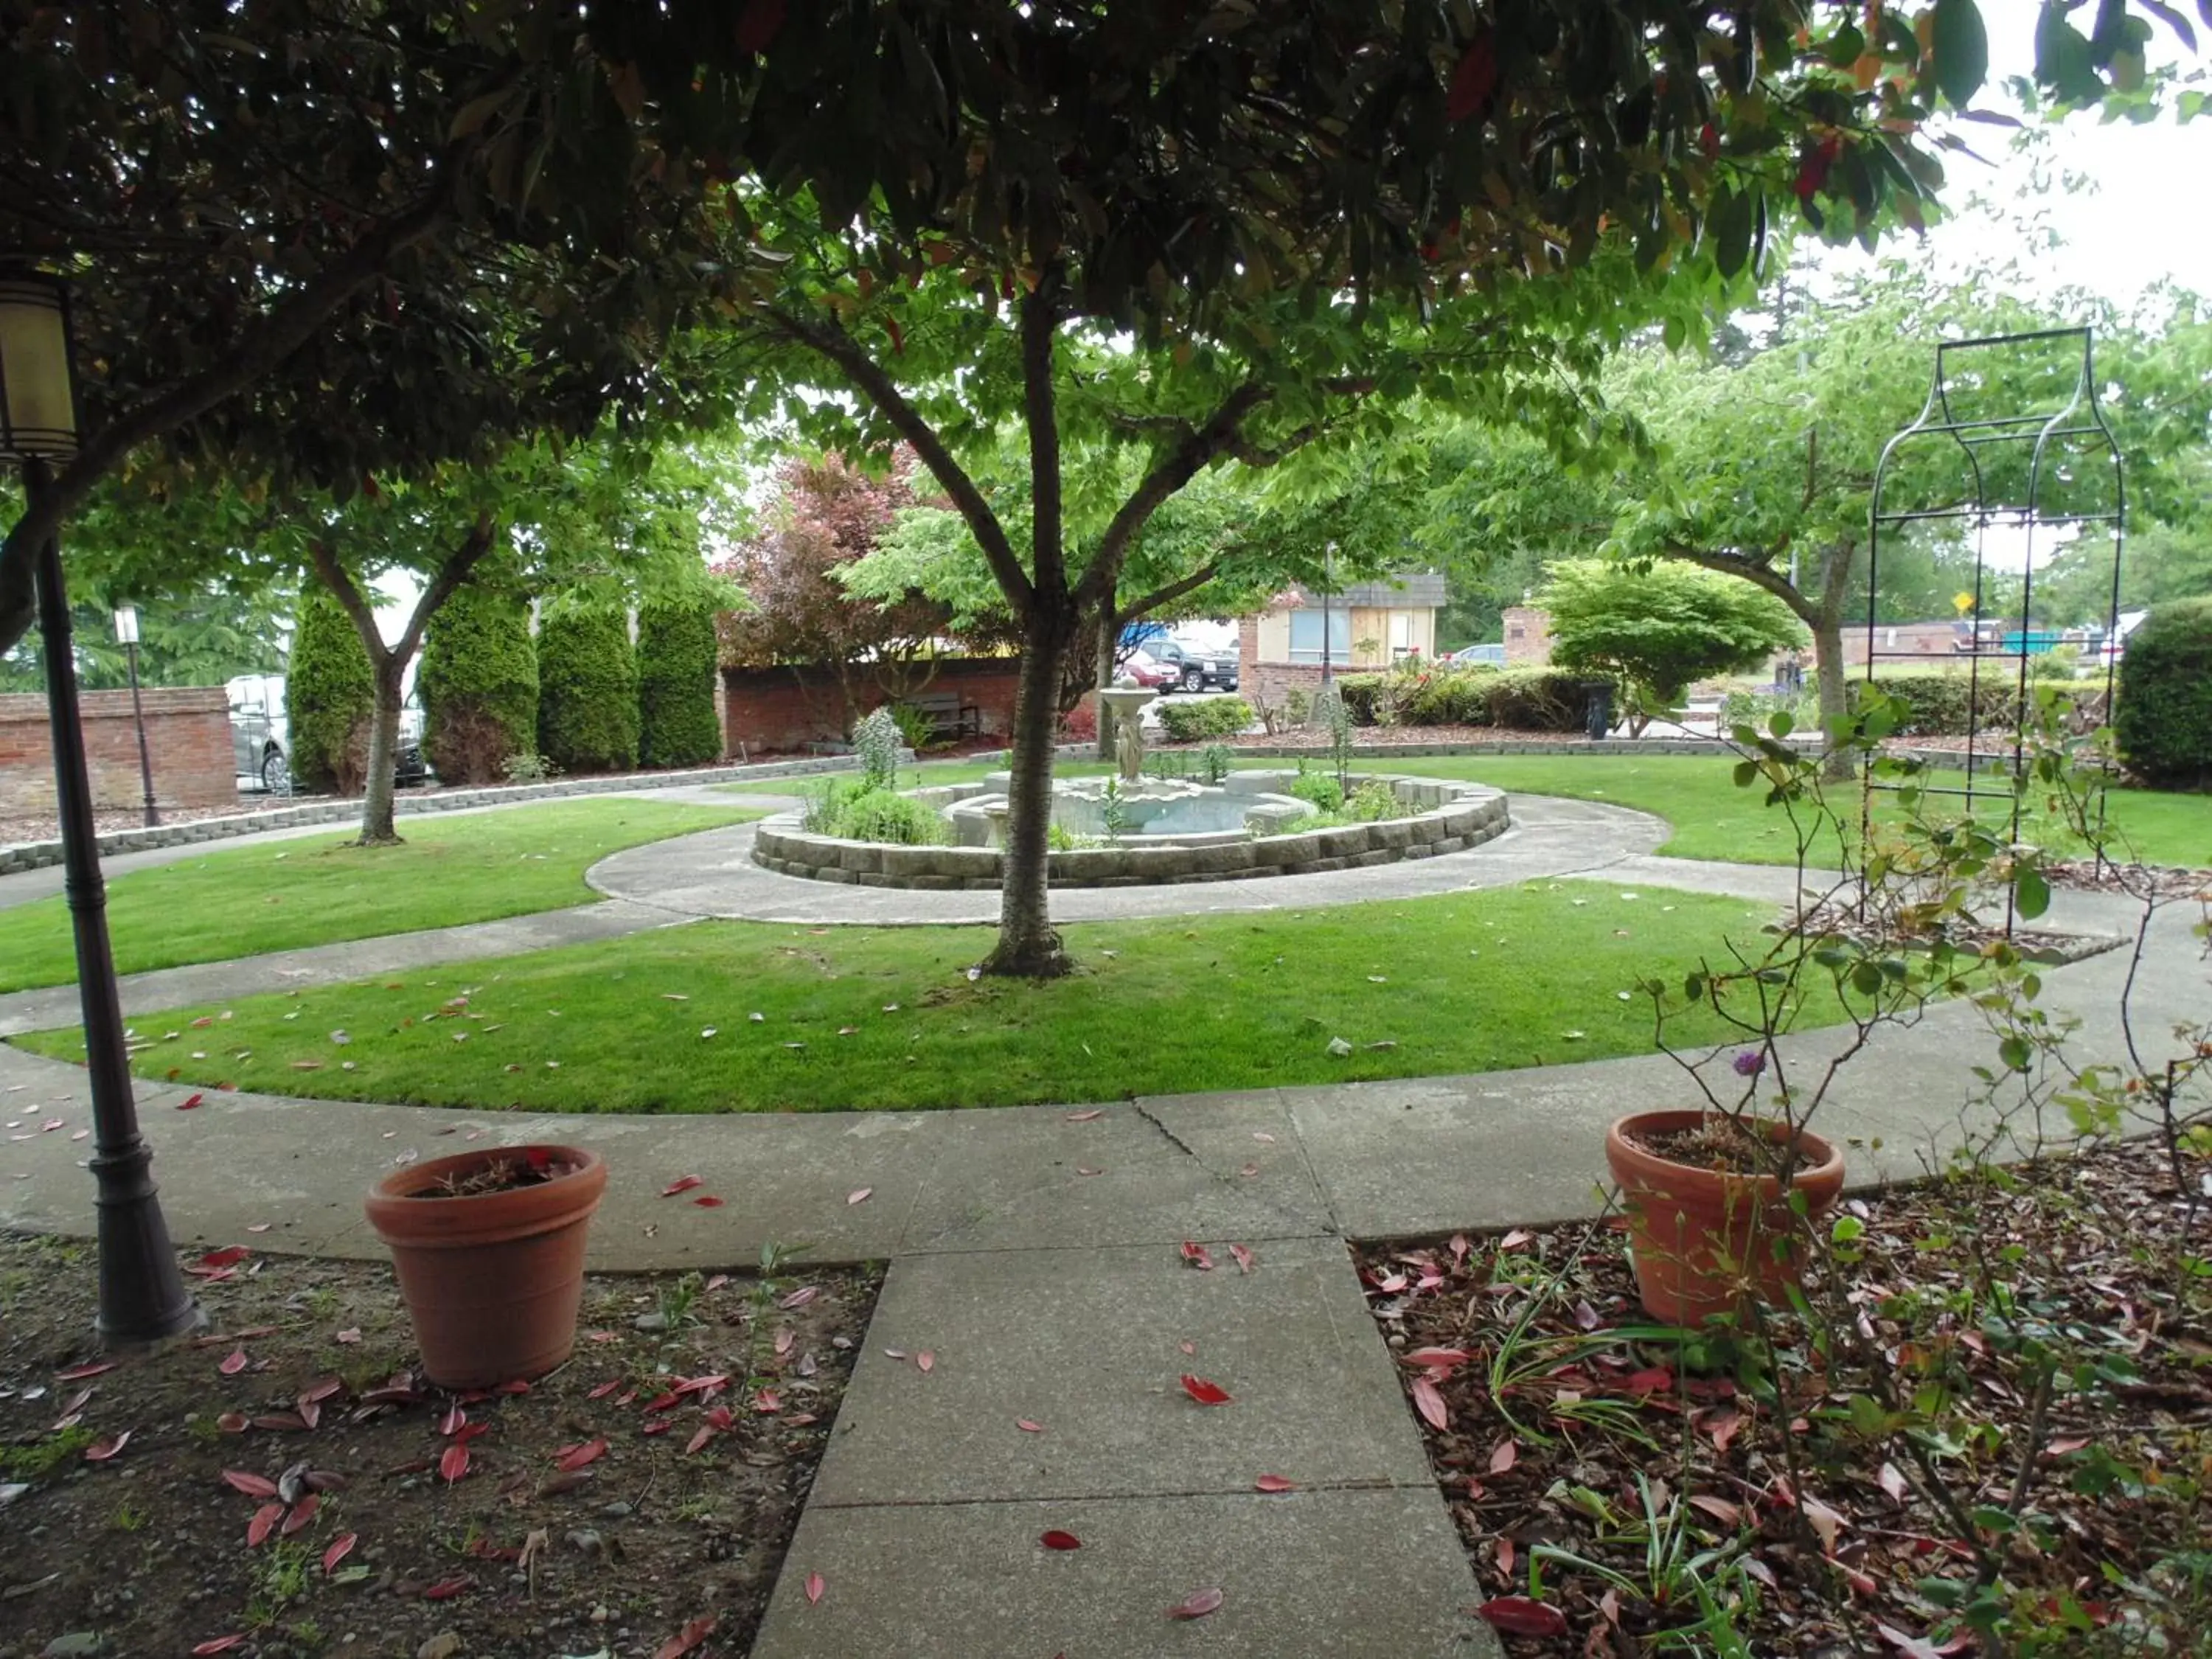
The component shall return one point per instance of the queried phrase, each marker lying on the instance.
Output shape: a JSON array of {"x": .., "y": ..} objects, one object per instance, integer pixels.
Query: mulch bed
[
  {"x": 649, "y": 1485},
  {"x": 1542, "y": 1432}
]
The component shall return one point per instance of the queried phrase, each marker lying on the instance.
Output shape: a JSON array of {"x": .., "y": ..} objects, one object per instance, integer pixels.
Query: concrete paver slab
[
  {"x": 1306, "y": 1575},
  {"x": 1088, "y": 1343}
]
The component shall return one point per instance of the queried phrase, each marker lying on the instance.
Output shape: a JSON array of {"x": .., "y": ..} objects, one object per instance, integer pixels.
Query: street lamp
[
  {"x": 126, "y": 636},
  {"x": 141, "y": 1295},
  {"x": 1327, "y": 582}
]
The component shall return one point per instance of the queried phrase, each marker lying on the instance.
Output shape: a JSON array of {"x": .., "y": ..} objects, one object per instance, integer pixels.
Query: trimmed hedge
[
  {"x": 677, "y": 660},
  {"x": 2164, "y": 722},
  {"x": 1512, "y": 699},
  {"x": 479, "y": 685},
  {"x": 586, "y": 690},
  {"x": 330, "y": 698},
  {"x": 1189, "y": 719},
  {"x": 1947, "y": 704}
]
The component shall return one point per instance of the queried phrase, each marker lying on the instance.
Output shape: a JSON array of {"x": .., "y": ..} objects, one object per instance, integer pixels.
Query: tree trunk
[
  {"x": 1028, "y": 947},
  {"x": 376, "y": 829},
  {"x": 1107, "y": 636},
  {"x": 1828, "y": 677}
]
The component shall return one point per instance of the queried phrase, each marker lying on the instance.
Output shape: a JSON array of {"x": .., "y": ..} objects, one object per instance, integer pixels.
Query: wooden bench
[{"x": 950, "y": 717}]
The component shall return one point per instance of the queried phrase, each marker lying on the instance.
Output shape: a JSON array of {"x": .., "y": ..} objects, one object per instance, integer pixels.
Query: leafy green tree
[
  {"x": 679, "y": 663},
  {"x": 2164, "y": 721},
  {"x": 1660, "y": 630},
  {"x": 588, "y": 714},
  {"x": 478, "y": 682},
  {"x": 330, "y": 697}
]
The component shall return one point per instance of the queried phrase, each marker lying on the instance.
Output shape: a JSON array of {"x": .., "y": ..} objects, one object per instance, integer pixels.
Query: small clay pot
[
  {"x": 492, "y": 1281},
  {"x": 1702, "y": 1239}
]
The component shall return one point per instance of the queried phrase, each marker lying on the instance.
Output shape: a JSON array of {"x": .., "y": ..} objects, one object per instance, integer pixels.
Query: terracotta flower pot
[
  {"x": 1704, "y": 1238},
  {"x": 492, "y": 1281}
]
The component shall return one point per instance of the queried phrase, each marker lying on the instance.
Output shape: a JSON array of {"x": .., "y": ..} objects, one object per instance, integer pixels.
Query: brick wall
[
  {"x": 187, "y": 735},
  {"x": 1527, "y": 636},
  {"x": 787, "y": 709}
]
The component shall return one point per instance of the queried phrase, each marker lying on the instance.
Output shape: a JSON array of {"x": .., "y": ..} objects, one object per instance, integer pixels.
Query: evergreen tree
[
  {"x": 677, "y": 661},
  {"x": 330, "y": 697},
  {"x": 479, "y": 683},
  {"x": 586, "y": 689}
]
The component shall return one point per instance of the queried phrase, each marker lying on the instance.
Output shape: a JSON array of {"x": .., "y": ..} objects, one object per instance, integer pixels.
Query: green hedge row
[
  {"x": 1512, "y": 699},
  {"x": 1948, "y": 704},
  {"x": 1189, "y": 719},
  {"x": 479, "y": 684},
  {"x": 2164, "y": 722},
  {"x": 586, "y": 690}
]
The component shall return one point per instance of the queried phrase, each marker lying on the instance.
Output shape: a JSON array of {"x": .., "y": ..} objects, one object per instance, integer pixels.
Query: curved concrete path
[{"x": 1037, "y": 1251}]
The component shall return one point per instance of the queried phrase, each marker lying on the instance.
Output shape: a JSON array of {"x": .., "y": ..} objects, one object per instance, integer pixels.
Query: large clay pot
[
  {"x": 492, "y": 1281},
  {"x": 1703, "y": 1238}
]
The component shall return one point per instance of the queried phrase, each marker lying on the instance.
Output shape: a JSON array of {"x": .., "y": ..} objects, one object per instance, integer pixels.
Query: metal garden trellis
[{"x": 2041, "y": 508}]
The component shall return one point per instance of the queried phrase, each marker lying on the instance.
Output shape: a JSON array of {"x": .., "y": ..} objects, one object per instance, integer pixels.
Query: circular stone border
[{"x": 1453, "y": 816}]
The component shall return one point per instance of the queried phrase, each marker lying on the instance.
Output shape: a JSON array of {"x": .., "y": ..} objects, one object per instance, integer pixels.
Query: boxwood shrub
[{"x": 2164, "y": 722}]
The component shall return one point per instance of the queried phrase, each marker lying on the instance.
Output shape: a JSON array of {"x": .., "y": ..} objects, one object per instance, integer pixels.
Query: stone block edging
[
  {"x": 1455, "y": 817},
  {"x": 38, "y": 854}
]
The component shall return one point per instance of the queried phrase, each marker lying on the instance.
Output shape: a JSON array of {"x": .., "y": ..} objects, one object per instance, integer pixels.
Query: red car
[{"x": 1147, "y": 672}]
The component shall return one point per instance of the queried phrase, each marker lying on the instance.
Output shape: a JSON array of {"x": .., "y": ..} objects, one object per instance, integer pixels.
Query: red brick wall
[
  {"x": 784, "y": 709},
  {"x": 187, "y": 735},
  {"x": 1528, "y": 635}
]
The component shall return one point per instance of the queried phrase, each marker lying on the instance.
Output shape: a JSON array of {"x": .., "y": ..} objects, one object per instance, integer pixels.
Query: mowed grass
[
  {"x": 319, "y": 890},
  {"x": 848, "y": 1017}
]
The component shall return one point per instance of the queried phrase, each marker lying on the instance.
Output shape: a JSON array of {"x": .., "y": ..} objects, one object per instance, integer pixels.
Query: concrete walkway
[{"x": 1036, "y": 1252}]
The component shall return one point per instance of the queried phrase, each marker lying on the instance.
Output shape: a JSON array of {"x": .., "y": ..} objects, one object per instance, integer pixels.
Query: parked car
[
  {"x": 1195, "y": 669},
  {"x": 1489, "y": 656},
  {"x": 260, "y": 737},
  {"x": 1147, "y": 671}
]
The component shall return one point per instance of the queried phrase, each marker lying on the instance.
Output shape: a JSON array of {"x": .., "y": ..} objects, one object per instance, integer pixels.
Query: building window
[{"x": 1305, "y": 635}]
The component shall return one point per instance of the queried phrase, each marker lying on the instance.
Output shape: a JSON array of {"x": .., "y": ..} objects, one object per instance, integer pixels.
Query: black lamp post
[
  {"x": 141, "y": 1295},
  {"x": 126, "y": 635}
]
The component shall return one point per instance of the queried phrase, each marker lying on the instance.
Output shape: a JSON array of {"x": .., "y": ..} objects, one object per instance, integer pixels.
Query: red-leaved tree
[{"x": 827, "y": 514}]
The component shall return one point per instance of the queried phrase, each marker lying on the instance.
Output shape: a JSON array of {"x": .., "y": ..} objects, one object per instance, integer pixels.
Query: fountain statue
[{"x": 1127, "y": 704}]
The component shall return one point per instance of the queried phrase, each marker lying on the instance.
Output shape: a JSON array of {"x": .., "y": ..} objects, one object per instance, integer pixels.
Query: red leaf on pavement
[
  {"x": 721, "y": 1418},
  {"x": 1057, "y": 1540},
  {"x": 1431, "y": 1404},
  {"x": 302, "y": 1512},
  {"x": 686, "y": 1638},
  {"x": 254, "y": 1486},
  {"x": 656, "y": 1426},
  {"x": 101, "y": 1450},
  {"x": 814, "y": 1588},
  {"x": 1094, "y": 1113},
  {"x": 341, "y": 1548},
  {"x": 605, "y": 1389},
  {"x": 1025, "y": 1423},
  {"x": 1518, "y": 1615},
  {"x": 707, "y": 1202},
  {"x": 710, "y": 1385},
  {"x": 682, "y": 1184},
  {"x": 859, "y": 1195},
  {"x": 186, "y": 1105},
  {"x": 1273, "y": 1483},
  {"x": 233, "y": 1363},
  {"x": 446, "y": 1589},
  {"x": 264, "y": 1519},
  {"x": 227, "y": 1257},
  {"x": 925, "y": 1361},
  {"x": 455, "y": 1463},
  {"x": 1245, "y": 1259},
  {"x": 1196, "y": 1256},
  {"x": 1196, "y": 1605},
  {"x": 663, "y": 1402},
  {"x": 90, "y": 1368},
  {"x": 705, "y": 1434},
  {"x": 1205, "y": 1393},
  {"x": 1504, "y": 1455},
  {"x": 768, "y": 1402}
]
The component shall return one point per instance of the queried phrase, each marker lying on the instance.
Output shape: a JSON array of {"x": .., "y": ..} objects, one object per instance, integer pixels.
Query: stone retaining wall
[
  {"x": 1453, "y": 816},
  {"x": 37, "y": 854}
]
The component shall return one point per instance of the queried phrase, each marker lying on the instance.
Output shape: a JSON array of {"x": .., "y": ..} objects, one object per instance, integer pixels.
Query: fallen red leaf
[
  {"x": 186, "y": 1105},
  {"x": 656, "y": 1426},
  {"x": 925, "y": 1361},
  {"x": 1519, "y": 1616},
  {"x": 1891, "y": 1478},
  {"x": 322, "y": 1390},
  {"x": 707, "y": 1201},
  {"x": 1024, "y": 1424},
  {"x": 576, "y": 1456},
  {"x": 310, "y": 1414},
  {"x": 348, "y": 1336},
  {"x": 1205, "y": 1393},
  {"x": 859, "y": 1195},
  {"x": 1505, "y": 1554},
  {"x": 1728, "y": 1514},
  {"x": 768, "y": 1402},
  {"x": 683, "y": 1184},
  {"x": 1273, "y": 1483},
  {"x": 1436, "y": 1359},
  {"x": 90, "y": 1368},
  {"x": 454, "y": 1421},
  {"x": 1504, "y": 1455},
  {"x": 605, "y": 1389},
  {"x": 254, "y": 1486},
  {"x": 712, "y": 1383},
  {"x": 800, "y": 1298},
  {"x": 1092, "y": 1115},
  {"x": 1652, "y": 1380},
  {"x": 814, "y": 1588},
  {"x": 233, "y": 1363},
  {"x": 455, "y": 1463},
  {"x": 1515, "y": 1239},
  {"x": 1196, "y": 1256},
  {"x": 341, "y": 1548},
  {"x": 689, "y": 1637},
  {"x": 1196, "y": 1605},
  {"x": 446, "y": 1589},
  {"x": 1912, "y": 1646},
  {"x": 264, "y": 1519},
  {"x": 1057, "y": 1540},
  {"x": 1724, "y": 1426},
  {"x": 101, "y": 1450},
  {"x": 663, "y": 1402},
  {"x": 1245, "y": 1259},
  {"x": 214, "y": 1645},
  {"x": 698, "y": 1440},
  {"x": 302, "y": 1512},
  {"x": 1430, "y": 1405},
  {"x": 227, "y": 1257},
  {"x": 232, "y": 1422}
]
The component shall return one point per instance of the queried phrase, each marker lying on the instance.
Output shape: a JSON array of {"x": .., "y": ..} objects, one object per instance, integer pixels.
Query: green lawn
[
  {"x": 888, "y": 1018},
  {"x": 1714, "y": 819},
  {"x": 319, "y": 890}
]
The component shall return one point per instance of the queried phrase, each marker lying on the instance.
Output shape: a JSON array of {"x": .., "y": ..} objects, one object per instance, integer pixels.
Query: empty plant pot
[
  {"x": 489, "y": 1250},
  {"x": 1705, "y": 1238}
]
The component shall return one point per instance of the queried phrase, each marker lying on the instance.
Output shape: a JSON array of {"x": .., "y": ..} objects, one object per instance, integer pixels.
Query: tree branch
[
  {"x": 282, "y": 332},
  {"x": 451, "y": 574},
  {"x": 841, "y": 349},
  {"x": 1040, "y": 317},
  {"x": 1169, "y": 594},
  {"x": 350, "y": 597},
  {"x": 1759, "y": 576}
]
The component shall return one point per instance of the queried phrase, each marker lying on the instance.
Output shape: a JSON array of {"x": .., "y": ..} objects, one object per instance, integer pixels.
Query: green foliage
[
  {"x": 677, "y": 667},
  {"x": 1371, "y": 802},
  {"x": 877, "y": 740},
  {"x": 1189, "y": 719},
  {"x": 1215, "y": 759},
  {"x": 1660, "y": 629},
  {"x": 1533, "y": 698},
  {"x": 1326, "y": 793},
  {"x": 587, "y": 690},
  {"x": 330, "y": 697},
  {"x": 2164, "y": 722},
  {"x": 478, "y": 682},
  {"x": 915, "y": 728},
  {"x": 854, "y": 810},
  {"x": 1949, "y": 703}
]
